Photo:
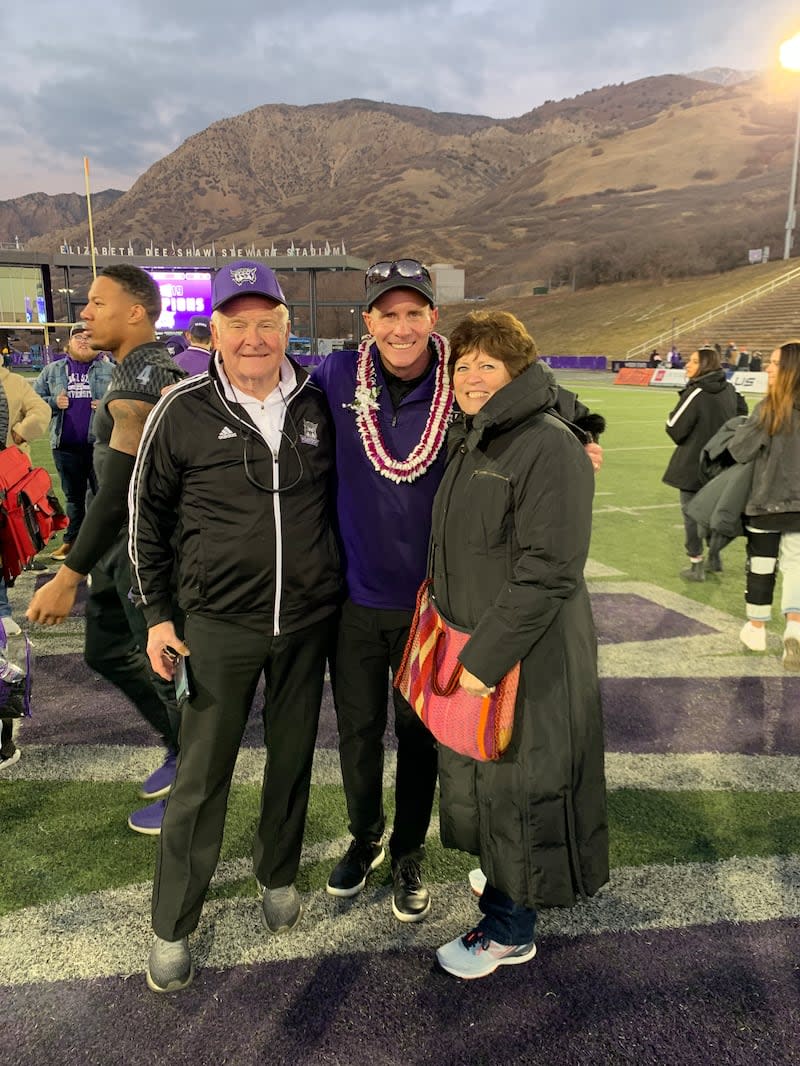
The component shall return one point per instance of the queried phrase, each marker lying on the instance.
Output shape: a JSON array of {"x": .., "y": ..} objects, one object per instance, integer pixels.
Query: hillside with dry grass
[{"x": 669, "y": 167}]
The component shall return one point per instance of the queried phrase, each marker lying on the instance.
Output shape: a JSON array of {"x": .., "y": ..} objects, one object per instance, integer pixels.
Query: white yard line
[
  {"x": 107, "y": 934},
  {"x": 683, "y": 772}
]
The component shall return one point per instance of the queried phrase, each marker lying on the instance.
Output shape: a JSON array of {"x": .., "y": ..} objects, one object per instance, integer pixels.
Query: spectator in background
[
  {"x": 743, "y": 362},
  {"x": 654, "y": 359},
  {"x": 771, "y": 440},
  {"x": 175, "y": 343},
  {"x": 705, "y": 403},
  {"x": 72, "y": 387},
  {"x": 675, "y": 360},
  {"x": 755, "y": 363},
  {"x": 194, "y": 359},
  {"x": 23, "y": 417},
  {"x": 123, "y": 305}
]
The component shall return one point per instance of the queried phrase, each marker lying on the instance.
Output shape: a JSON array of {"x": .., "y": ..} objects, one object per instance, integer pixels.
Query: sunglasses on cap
[{"x": 400, "y": 268}]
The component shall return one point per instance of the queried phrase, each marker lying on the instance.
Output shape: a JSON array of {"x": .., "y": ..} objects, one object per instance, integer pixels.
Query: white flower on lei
[{"x": 365, "y": 399}]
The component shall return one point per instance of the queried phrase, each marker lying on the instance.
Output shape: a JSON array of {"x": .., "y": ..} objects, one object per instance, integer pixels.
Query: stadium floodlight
[{"x": 790, "y": 59}]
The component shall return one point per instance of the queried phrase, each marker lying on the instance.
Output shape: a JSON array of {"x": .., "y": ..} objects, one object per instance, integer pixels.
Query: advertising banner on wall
[
  {"x": 744, "y": 381},
  {"x": 668, "y": 378}
]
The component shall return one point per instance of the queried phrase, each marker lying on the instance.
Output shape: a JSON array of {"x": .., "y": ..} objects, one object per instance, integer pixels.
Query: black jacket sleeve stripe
[{"x": 151, "y": 426}]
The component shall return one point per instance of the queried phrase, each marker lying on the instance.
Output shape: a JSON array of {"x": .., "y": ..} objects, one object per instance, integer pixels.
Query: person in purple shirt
[
  {"x": 72, "y": 387},
  {"x": 194, "y": 359},
  {"x": 391, "y": 404}
]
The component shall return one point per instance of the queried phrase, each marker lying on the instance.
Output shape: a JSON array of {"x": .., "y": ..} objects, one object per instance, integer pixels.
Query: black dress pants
[
  {"x": 225, "y": 664},
  {"x": 116, "y": 644},
  {"x": 370, "y": 644}
]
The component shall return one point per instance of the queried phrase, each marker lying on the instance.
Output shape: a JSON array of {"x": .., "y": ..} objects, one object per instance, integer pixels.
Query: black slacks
[
  {"x": 115, "y": 644},
  {"x": 370, "y": 644},
  {"x": 225, "y": 664}
]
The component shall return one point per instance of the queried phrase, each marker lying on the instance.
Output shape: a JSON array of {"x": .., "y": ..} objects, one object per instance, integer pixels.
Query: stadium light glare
[{"x": 790, "y": 59}]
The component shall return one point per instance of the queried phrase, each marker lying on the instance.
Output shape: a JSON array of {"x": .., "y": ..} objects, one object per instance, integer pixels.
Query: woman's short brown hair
[
  {"x": 710, "y": 359},
  {"x": 498, "y": 334}
]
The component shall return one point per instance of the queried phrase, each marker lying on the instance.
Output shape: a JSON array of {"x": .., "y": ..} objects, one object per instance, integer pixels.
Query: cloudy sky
[{"x": 125, "y": 84}]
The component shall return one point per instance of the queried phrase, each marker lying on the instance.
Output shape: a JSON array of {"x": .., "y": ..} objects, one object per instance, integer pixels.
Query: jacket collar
[{"x": 533, "y": 392}]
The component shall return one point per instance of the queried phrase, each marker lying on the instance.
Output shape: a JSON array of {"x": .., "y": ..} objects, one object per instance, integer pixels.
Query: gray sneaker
[
  {"x": 170, "y": 966},
  {"x": 280, "y": 909}
]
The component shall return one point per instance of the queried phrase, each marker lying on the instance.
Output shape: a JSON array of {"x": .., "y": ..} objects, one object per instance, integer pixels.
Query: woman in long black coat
[{"x": 511, "y": 530}]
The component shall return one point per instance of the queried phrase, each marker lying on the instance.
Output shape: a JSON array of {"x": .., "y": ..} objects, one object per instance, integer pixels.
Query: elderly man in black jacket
[{"x": 233, "y": 482}]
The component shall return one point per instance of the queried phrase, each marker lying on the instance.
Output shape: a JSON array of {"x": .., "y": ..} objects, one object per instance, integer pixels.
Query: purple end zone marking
[
  {"x": 750, "y": 715},
  {"x": 619, "y": 617},
  {"x": 72, "y": 705},
  {"x": 708, "y": 994}
]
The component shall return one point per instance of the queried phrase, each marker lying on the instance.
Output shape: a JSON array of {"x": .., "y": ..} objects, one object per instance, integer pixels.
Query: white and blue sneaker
[
  {"x": 477, "y": 881},
  {"x": 476, "y": 955}
]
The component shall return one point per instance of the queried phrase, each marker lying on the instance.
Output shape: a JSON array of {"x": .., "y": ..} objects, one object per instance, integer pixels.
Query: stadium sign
[{"x": 149, "y": 249}]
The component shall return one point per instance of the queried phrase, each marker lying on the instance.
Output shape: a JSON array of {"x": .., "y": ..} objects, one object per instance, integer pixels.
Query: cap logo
[{"x": 244, "y": 276}]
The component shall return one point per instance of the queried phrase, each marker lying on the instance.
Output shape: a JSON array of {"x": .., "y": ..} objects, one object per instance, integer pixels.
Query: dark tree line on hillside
[{"x": 681, "y": 252}]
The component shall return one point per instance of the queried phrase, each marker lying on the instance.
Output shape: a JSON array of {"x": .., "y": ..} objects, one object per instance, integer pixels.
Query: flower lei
[{"x": 365, "y": 404}]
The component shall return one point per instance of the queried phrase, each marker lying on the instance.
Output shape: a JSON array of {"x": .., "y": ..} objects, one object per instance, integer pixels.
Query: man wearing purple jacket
[
  {"x": 391, "y": 403},
  {"x": 194, "y": 359}
]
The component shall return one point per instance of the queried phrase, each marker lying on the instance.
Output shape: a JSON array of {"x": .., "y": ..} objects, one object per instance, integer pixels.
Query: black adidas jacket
[{"x": 199, "y": 493}]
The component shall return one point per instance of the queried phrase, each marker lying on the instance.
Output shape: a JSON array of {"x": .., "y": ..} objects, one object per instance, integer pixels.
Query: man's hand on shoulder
[{"x": 595, "y": 453}]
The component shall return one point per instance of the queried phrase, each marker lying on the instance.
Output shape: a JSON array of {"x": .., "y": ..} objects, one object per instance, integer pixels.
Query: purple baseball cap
[
  {"x": 200, "y": 326},
  {"x": 245, "y": 278}
]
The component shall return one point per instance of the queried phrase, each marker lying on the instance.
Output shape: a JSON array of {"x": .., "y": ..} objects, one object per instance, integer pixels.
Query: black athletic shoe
[
  {"x": 411, "y": 900},
  {"x": 350, "y": 874}
]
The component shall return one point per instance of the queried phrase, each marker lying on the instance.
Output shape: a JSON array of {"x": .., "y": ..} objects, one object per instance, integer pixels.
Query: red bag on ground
[{"x": 29, "y": 511}]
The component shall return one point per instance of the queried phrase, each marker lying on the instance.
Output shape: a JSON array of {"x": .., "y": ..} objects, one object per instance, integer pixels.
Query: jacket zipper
[
  {"x": 276, "y": 511},
  {"x": 276, "y": 500}
]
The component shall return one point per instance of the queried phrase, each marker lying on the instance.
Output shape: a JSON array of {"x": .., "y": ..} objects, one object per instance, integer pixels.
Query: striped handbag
[{"x": 477, "y": 726}]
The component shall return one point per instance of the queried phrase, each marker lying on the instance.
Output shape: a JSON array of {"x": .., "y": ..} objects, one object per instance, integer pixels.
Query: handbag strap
[{"x": 451, "y": 684}]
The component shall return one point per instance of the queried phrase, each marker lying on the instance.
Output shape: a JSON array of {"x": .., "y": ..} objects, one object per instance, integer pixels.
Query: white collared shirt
[{"x": 268, "y": 414}]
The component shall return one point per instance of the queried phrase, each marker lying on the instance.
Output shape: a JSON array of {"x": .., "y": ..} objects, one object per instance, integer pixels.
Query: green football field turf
[
  {"x": 67, "y": 838},
  {"x": 637, "y": 518}
]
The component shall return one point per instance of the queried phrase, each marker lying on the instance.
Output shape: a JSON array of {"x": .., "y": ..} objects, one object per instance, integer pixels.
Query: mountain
[
  {"x": 36, "y": 213},
  {"x": 723, "y": 75},
  {"x": 669, "y": 174}
]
